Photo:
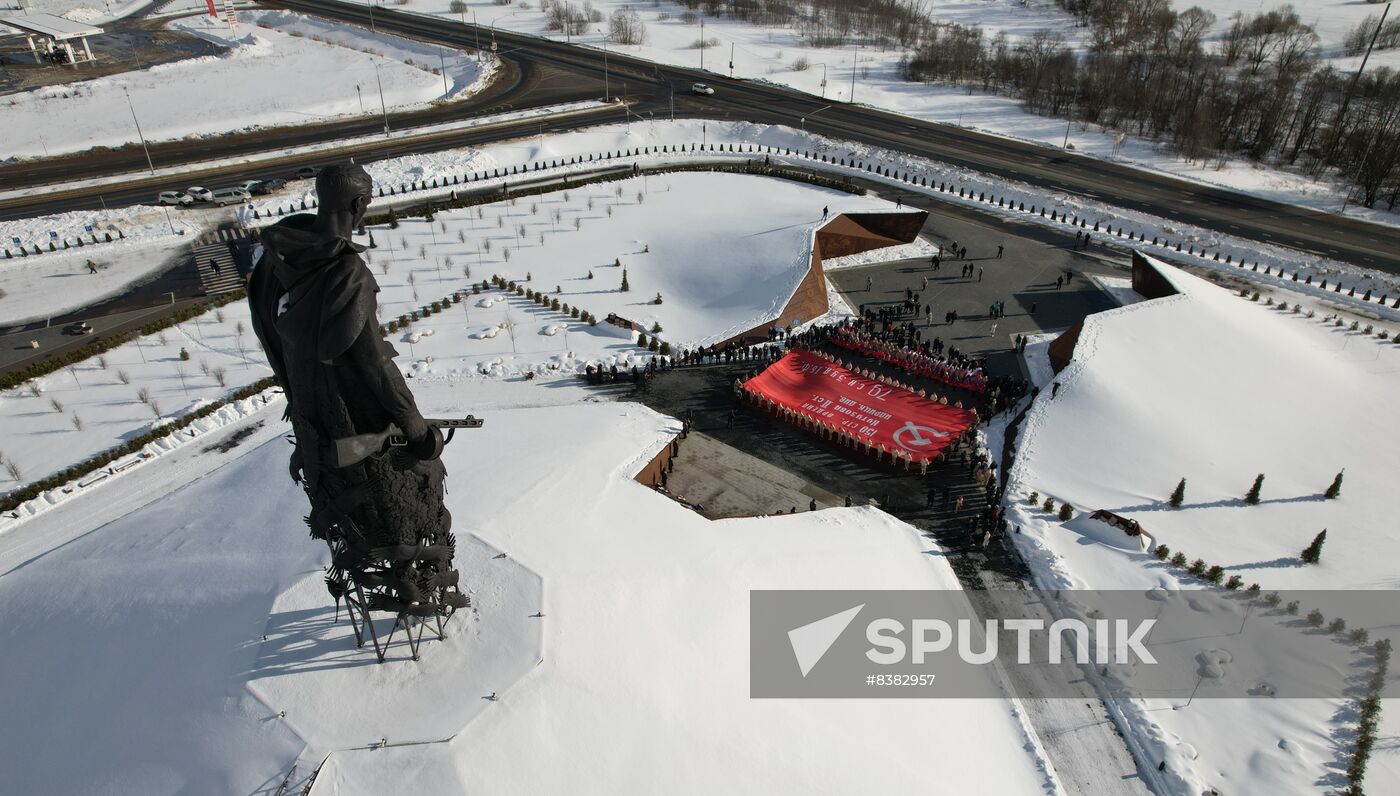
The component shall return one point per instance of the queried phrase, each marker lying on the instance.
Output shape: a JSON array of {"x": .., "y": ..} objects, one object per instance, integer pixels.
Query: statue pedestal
[{"x": 337, "y": 697}]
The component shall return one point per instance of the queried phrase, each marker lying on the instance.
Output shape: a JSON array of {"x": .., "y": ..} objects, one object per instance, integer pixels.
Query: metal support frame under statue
[{"x": 348, "y": 584}]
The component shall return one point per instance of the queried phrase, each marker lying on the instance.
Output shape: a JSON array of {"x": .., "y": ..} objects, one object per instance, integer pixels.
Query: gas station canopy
[{"x": 54, "y": 34}]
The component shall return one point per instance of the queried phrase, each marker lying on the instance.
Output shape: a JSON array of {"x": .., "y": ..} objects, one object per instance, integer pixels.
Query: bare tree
[
  {"x": 77, "y": 422},
  {"x": 56, "y": 404},
  {"x": 625, "y": 27}
]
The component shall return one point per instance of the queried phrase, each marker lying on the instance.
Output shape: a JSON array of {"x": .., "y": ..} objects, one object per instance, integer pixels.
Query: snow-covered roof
[
  {"x": 58, "y": 28},
  {"x": 1214, "y": 388}
]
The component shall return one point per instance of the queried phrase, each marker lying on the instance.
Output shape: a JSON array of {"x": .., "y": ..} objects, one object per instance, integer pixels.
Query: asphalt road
[{"x": 549, "y": 71}]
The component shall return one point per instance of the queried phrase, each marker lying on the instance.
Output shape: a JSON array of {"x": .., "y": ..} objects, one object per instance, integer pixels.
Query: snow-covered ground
[
  {"x": 734, "y": 262},
  {"x": 82, "y": 10},
  {"x": 50, "y": 284},
  {"x": 31, "y": 300},
  {"x": 340, "y": 71},
  {"x": 724, "y": 251},
  {"x": 612, "y": 634},
  {"x": 1216, "y": 389},
  {"x": 871, "y": 75},
  {"x": 104, "y": 401}
]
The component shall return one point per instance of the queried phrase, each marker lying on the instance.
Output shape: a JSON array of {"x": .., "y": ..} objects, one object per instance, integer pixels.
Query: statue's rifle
[{"x": 352, "y": 450}]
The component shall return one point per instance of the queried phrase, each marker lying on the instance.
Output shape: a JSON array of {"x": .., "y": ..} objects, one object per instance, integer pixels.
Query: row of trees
[{"x": 1261, "y": 92}]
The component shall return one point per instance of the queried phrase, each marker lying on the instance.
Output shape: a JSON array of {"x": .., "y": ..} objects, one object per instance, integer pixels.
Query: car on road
[
  {"x": 200, "y": 194},
  {"x": 700, "y": 88},
  {"x": 179, "y": 198},
  {"x": 248, "y": 185},
  {"x": 305, "y": 172},
  {"x": 230, "y": 196},
  {"x": 264, "y": 187}
]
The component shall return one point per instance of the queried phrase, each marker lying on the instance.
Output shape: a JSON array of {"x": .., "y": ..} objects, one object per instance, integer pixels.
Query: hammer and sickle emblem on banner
[{"x": 912, "y": 437}]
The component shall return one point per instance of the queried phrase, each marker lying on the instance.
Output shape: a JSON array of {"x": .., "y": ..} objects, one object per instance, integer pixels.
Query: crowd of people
[{"x": 898, "y": 345}]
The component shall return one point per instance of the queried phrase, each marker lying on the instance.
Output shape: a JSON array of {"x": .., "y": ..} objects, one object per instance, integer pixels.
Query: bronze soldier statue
[{"x": 313, "y": 306}]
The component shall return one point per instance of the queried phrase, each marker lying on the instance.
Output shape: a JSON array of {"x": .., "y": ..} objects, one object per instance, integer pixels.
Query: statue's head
[{"x": 344, "y": 187}]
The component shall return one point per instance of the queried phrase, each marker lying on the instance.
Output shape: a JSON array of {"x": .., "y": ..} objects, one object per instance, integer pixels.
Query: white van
[{"x": 231, "y": 196}]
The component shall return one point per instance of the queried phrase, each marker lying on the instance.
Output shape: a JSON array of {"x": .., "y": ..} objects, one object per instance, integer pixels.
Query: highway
[{"x": 543, "y": 71}]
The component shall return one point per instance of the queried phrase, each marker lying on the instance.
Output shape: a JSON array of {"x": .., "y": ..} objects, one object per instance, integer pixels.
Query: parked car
[
  {"x": 200, "y": 194},
  {"x": 700, "y": 88},
  {"x": 179, "y": 198},
  {"x": 264, "y": 187},
  {"x": 305, "y": 172},
  {"x": 248, "y": 185},
  {"x": 230, "y": 196}
]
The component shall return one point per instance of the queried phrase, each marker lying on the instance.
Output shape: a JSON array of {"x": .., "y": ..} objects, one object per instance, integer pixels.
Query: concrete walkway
[{"x": 730, "y": 483}]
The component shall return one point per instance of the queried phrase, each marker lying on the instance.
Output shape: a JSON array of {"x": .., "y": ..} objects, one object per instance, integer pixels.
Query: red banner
[{"x": 870, "y": 410}]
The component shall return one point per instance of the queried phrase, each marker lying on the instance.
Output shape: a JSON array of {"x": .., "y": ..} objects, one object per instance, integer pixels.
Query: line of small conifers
[{"x": 1368, "y": 707}]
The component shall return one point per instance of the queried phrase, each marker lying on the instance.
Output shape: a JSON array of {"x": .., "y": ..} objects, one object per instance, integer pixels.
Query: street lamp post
[
  {"x": 1346, "y": 99},
  {"x": 853, "y": 75},
  {"x": 442, "y": 67},
  {"x": 384, "y": 109},
  {"x": 139, "y": 134},
  {"x": 813, "y": 113},
  {"x": 370, "y": 5},
  {"x": 606, "y": 93}
]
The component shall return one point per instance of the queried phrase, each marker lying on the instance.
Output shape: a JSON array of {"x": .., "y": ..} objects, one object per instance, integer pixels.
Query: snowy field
[
  {"x": 871, "y": 75},
  {"x": 1213, "y": 388},
  {"x": 340, "y": 69},
  {"x": 724, "y": 251},
  {"x": 222, "y": 666}
]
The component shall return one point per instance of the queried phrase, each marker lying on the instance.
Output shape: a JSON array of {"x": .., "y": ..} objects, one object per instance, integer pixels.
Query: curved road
[{"x": 543, "y": 71}]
